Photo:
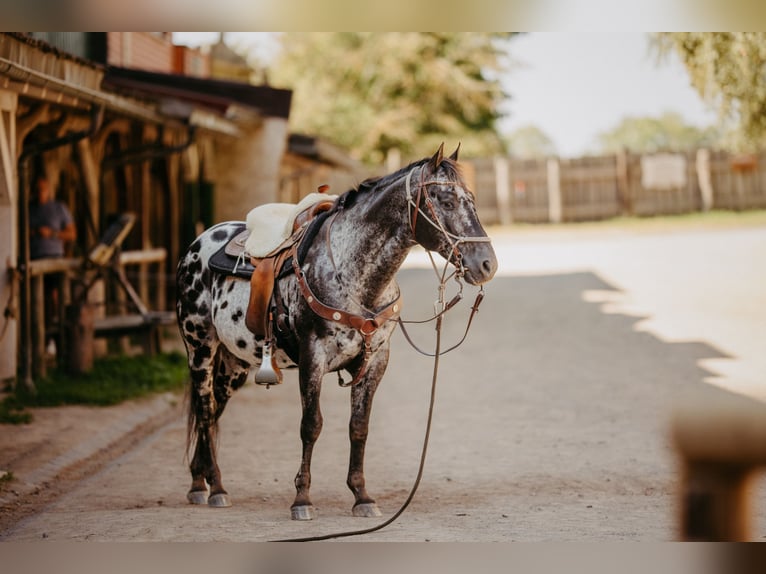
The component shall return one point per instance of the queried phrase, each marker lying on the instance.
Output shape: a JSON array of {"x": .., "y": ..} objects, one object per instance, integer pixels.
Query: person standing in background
[
  {"x": 51, "y": 226},
  {"x": 50, "y": 222}
]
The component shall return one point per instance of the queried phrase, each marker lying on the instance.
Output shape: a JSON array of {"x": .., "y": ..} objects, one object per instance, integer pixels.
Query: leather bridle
[{"x": 453, "y": 240}]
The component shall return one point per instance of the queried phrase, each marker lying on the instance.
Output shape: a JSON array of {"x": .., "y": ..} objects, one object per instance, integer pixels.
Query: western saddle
[{"x": 262, "y": 281}]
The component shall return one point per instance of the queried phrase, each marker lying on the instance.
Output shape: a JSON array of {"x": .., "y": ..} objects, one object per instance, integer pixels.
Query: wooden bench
[
  {"x": 720, "y": 437},
  {"x": 147, "y": 326}
]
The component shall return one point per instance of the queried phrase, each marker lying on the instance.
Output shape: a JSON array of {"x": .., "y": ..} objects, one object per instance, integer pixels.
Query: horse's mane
[{"x": 451, "y": 168}]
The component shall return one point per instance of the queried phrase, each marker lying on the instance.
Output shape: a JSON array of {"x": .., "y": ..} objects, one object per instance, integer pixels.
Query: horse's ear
[
  {"x": 453, "y": 157},
  {"x": 437, "y": 158}
]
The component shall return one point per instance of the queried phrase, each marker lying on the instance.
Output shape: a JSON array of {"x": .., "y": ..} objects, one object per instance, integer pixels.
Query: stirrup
[{"x": 268, "y": 373}]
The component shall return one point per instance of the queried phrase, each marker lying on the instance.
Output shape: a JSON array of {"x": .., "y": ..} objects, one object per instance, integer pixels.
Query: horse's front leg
[
  {"x": 310, "y": 375},
  {"x": 361, "y": 404}
]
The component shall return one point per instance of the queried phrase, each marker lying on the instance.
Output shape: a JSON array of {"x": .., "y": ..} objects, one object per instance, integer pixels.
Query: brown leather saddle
[{"x": 267, "y": 268}]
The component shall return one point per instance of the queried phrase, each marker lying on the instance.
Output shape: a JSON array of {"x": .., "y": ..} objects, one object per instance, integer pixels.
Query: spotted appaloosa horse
[{"x": 349, "y": 264}]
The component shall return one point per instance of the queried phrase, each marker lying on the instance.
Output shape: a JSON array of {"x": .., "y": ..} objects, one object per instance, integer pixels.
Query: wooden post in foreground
[{"x": 721, "y": 440}]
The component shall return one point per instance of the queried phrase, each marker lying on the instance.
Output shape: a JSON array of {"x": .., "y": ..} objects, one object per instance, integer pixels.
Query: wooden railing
[{"x": 150, "y": 285}]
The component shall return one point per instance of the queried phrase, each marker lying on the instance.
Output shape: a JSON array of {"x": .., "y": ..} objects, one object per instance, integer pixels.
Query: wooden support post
[
  {"x": 503, "y": 190},
  {"x": 146, "y": 225},
  {"x": 174, "y": 215},
  {"x": 38, "y": 327},
  {"x": 64, "y": 300},
  {"x": 90, "y": 175},
  {"x": 80, "y": 325},
  {"x": 9, "y": 231},
  {"x": 89, "y": 154},
  {"x": 555, "y": 214}
]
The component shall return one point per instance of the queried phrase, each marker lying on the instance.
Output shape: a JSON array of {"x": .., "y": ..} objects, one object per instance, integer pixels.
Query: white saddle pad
[{"x": 270, "y": 224}]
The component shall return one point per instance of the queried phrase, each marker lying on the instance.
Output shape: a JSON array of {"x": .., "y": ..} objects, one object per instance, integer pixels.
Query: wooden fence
[{"x": 599, "y": 187}]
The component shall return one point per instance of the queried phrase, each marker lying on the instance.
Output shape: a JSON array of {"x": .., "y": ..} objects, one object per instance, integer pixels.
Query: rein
[{"x": 368, "y": 325}]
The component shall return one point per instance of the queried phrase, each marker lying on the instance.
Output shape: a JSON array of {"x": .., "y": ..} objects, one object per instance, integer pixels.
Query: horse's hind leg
[
  {"x": 230, "y": 374},
  {"x": 201, "y": 424}
]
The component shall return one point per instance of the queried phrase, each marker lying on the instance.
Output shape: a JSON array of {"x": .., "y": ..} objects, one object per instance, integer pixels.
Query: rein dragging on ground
[
  {"x": 421, "y": 467},
  {"x": 442, "y": 309}
]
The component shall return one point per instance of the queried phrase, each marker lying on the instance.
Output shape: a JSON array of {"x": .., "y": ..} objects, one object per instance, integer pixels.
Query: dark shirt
[{"x": 55, "y": 215}]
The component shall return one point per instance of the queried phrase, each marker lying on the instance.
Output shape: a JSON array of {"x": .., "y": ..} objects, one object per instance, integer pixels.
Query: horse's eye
[{"x": 447, "y": 201}]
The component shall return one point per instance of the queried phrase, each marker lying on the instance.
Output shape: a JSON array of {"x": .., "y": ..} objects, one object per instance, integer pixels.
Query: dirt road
[{"x": 550, "y": 423}]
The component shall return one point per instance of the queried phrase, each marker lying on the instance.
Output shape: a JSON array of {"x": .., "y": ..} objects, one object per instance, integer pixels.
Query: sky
[
  {"x": 574, "y": 86},
  {"x": 571, "y": 85}
]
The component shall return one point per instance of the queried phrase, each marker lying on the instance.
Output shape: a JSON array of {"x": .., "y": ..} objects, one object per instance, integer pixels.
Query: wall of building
[
  {"x": 191, "y": 62},
  {"x": 246, "y": 170},
  {"x": 142, "y": 50}
]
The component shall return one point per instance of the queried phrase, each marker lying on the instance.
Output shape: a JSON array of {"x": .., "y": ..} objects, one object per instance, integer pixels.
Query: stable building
[{"x": 177, "y": 152}]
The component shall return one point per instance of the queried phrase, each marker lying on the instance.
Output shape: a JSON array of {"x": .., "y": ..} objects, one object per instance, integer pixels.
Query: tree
[
  {"x": 650, "y": 134},
  {"x": 373, "y": 92},
  {"x": 728, "y": 69},
  {"x": 530, "y": 141}
]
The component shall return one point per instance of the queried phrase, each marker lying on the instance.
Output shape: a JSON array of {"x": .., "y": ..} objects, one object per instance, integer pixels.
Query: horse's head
[{"x": 443, "y": 217}]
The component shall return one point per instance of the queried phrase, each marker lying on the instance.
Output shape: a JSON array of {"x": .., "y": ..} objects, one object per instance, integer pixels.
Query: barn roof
[{"x": 214, "y": 94}]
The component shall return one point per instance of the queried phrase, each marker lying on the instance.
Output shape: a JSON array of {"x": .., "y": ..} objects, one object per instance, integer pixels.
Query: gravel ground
[{"x": 551, "y": 422}]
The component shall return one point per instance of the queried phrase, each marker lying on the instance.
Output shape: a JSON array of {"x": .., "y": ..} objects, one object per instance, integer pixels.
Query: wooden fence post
[
  {"x": 704, "y": 178},
  {"x": 503, "y": 190},
  {"x": 623, "y": 183},
  {"x": 554, "y": 190}
]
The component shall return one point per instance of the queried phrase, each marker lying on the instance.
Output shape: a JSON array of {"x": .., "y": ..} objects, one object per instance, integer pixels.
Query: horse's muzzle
[{"x": 480, "y": 263}]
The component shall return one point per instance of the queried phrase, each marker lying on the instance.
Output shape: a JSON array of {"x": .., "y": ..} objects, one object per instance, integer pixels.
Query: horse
[{"x": 346, "y": 264}]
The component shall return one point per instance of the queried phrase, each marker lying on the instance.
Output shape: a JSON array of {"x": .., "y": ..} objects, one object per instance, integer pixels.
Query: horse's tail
[
  {"x": 193, "y": 405},
  {"x": 200, "y": 415}
]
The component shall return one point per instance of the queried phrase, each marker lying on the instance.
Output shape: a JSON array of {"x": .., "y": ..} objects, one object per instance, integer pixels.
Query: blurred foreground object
[{"x": 721, "y": 440}]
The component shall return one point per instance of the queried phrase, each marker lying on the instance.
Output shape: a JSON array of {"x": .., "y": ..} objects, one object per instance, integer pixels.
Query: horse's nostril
[{"x": 486, "y": 266}]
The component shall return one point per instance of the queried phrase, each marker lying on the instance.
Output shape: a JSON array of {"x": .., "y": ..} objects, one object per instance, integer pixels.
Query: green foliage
[
  {"x": 650, "y": 134},
  {"x": 728, "y": 69},
  {"x": 529, "y": 142},
  {"x": 112, "y": 381},
  {"x": 370, "y": 92}
]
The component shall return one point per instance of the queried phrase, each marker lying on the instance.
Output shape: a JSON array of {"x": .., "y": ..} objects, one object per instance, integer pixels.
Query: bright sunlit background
[{"x": 571, "y": 85}]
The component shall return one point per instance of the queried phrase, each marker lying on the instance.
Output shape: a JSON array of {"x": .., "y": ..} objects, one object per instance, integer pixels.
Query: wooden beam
[{"x": 92, "y": 181}]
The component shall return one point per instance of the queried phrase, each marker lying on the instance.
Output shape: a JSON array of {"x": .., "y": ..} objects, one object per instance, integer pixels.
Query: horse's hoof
[
  {"x": 366, "y": 510},
  {"x": 197, "y": 496},
  {"x": 220, "y": 500},
  {"x": 304, "y": 512}
]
